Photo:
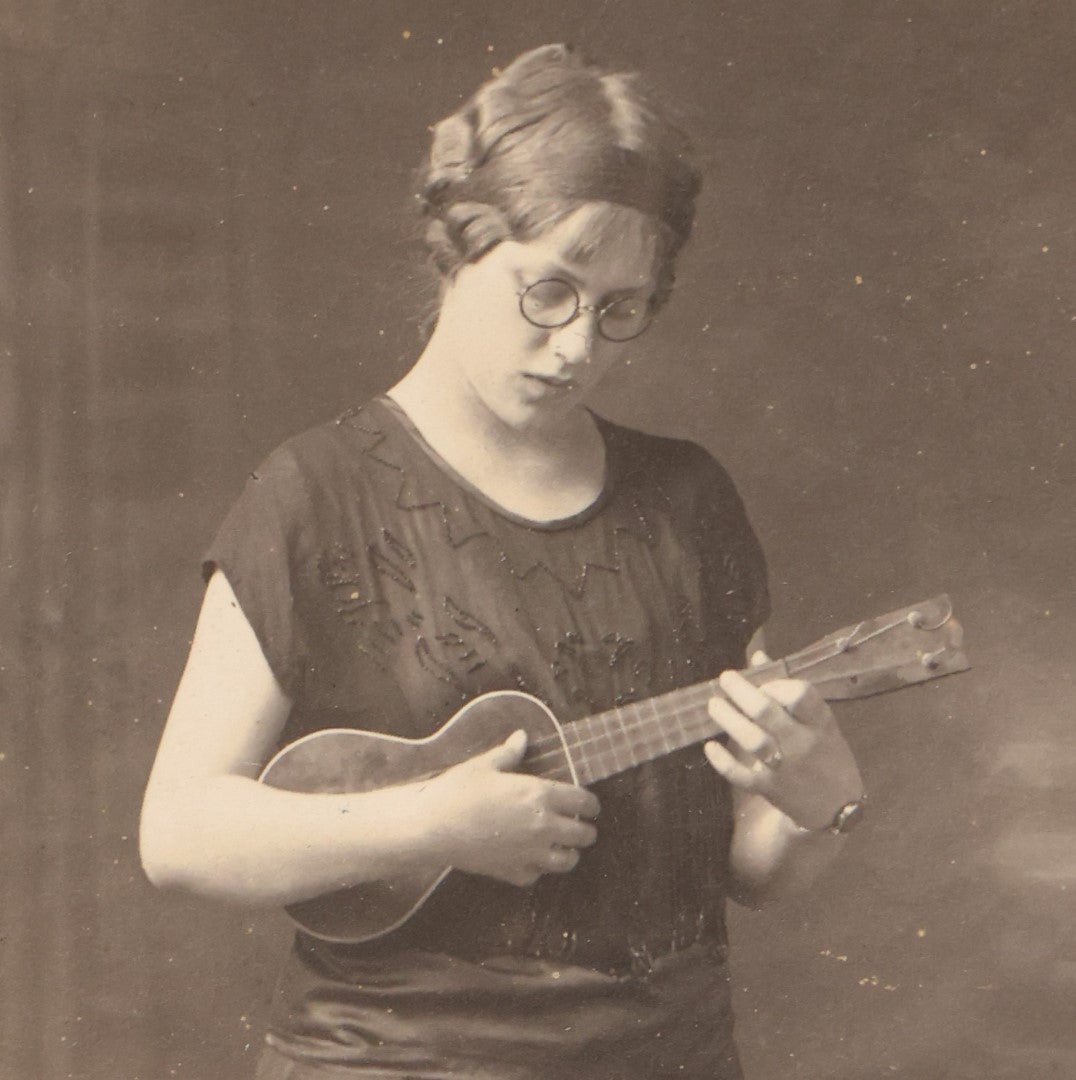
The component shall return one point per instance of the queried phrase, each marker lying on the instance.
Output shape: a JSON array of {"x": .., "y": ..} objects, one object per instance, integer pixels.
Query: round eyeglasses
[{"x": 552, "y": 303}]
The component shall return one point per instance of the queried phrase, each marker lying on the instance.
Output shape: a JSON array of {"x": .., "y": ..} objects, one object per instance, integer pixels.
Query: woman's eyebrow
[{"x": 551, "y": 269}]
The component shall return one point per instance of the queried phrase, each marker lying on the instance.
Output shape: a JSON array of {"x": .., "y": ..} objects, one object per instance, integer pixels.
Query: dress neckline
[{"x": 407, "y": 425}]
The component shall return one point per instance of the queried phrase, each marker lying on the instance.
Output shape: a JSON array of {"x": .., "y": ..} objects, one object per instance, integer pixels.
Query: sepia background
[{"x": 207, "y": 243}]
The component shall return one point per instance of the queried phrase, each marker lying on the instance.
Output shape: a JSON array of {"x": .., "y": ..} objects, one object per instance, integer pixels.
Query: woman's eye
[
  {"x": 625, "y": 310},
  {"x": 550, "y": 294}
]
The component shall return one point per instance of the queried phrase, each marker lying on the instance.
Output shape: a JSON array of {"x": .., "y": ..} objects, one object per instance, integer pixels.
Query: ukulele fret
[
  {"x": 606, "y": 752},
  {"x": 647, "y": 730}
]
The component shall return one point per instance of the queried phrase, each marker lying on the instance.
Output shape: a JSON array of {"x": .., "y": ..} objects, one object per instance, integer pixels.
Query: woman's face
[{"x": 526, "y": 375}]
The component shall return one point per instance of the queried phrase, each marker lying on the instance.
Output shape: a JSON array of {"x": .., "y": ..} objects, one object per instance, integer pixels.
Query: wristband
[{"x": 844, "y": 821}]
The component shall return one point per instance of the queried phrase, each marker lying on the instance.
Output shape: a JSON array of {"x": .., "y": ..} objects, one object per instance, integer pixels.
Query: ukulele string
[
  {"x": 854, "y": 638},
  {"x": 691, "y": 702},
  {"x": 695, "y": 699},
  {"x": 615, "y": 741},
  {"x": 619, "y": 724}
]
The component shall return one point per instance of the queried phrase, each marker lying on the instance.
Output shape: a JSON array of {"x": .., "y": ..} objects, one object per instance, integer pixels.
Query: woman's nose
[{"x": 575, "y": 341}]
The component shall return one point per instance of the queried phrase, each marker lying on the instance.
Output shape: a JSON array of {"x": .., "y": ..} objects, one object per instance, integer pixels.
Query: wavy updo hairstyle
[{"x": 545, "y": 136}]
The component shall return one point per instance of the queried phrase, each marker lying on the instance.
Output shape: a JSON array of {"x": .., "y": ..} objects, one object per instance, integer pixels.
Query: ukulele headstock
[{"x": 911, "y": 645}]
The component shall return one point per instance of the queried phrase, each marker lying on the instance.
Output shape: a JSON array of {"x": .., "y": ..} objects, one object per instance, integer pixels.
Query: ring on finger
[{"x": 773, "y": 758}]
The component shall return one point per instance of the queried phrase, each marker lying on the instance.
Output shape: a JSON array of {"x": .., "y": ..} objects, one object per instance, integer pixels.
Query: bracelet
[{"x": 844, "y": 821}]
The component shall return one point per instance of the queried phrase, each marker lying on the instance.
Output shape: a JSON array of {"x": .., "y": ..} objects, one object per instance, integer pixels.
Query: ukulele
[{"x": 905, "y": 647}]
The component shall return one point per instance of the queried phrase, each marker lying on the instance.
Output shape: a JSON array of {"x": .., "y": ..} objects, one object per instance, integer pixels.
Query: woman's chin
[{"x": 535, "y": 407}]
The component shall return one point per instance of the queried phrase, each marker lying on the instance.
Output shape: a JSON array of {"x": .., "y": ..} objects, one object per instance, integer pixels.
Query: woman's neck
[{"x": 542, "y": 471}]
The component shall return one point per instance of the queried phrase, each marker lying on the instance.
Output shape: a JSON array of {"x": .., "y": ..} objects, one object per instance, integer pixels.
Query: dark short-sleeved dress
[{"x": 386, "y": 592}]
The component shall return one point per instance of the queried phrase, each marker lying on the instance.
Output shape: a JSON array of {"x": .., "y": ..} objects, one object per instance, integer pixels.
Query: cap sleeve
[{"x": 256, "y": 549}]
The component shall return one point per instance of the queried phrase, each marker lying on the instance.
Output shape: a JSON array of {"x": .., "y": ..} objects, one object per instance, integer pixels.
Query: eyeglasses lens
[
  {"x": 624, "y": 319},
  {"x": 551, "y": 303}
]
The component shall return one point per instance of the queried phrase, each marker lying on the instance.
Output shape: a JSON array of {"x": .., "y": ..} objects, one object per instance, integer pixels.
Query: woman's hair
[{"x": 545, "y": 136}]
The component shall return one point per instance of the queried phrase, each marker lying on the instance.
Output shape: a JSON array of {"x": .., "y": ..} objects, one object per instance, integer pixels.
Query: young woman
[{"x": 477, "y": 529}]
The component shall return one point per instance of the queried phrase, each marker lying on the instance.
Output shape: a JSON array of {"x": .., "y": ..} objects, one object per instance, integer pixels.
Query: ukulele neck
[
  {"x": 899, "y": 649},
  {"x": 621, "y": 738}
]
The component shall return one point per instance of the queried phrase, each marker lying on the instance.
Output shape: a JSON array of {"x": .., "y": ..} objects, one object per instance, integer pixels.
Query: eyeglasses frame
[{"x": 580, "y": 307}]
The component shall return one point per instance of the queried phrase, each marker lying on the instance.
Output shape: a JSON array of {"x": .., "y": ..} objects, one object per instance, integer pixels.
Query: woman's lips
[{"x": 554, "y": 383}]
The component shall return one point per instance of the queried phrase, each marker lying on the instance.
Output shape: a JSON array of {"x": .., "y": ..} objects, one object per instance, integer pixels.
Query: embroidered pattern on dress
[
  {"x": 621, "y": 648},
  {"x": 638, "y": 529},
  {"x": 338, "y": 566},
  {"x": 461, "y": 527},
  {"x": 339, "y": 571},
  {"x": 378, "y": 639},
  {"x": 436, "y": 667},
  {"x": 456, "y": 656},
  {"x": 398, "y": 548},
  {"x": 385, "y": 566},
  {"x": 573, "y": 655},
  {"x": 466, "y": 621},
  {"x": 377, "y": 631}
]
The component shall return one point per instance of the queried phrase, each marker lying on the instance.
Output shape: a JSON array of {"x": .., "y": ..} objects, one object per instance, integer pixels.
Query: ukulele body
[{"x": 345, "y": 761}]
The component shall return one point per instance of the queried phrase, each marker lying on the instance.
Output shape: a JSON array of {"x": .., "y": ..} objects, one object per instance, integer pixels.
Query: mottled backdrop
[{"x": 206, "y": 243}]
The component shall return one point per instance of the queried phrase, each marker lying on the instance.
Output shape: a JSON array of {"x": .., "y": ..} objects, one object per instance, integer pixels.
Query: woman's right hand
[{"x": 490, "y": 820}]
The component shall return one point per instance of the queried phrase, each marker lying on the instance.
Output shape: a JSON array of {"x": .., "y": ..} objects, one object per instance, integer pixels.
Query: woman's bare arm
[
  {"x": 771, "y": 856},
  {"x": 209, "y": 827},
  {"x": 772, "y": 853}
]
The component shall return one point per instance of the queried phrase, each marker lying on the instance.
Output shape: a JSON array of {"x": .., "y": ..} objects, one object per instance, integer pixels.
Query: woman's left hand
[{"x": 786, "y": 746}]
